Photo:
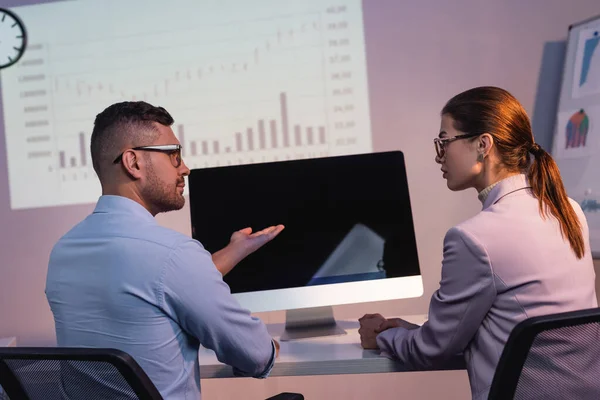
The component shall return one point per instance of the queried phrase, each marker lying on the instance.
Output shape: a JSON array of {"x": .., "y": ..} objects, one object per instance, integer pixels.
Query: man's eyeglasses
[
  {"x": 441, "y": 143},
  {"x": 173, "y": 150}
]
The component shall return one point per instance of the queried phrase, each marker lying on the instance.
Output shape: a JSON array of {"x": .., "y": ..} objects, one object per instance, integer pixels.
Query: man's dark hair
[{"x": 121, "y": 126}]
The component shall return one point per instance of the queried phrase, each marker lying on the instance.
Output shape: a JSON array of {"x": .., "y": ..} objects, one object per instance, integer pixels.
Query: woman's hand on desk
[
  {"x": 396, "y": 323},
  {"x": 372, "y": 325},
  {"x": 369, "y": 329}
]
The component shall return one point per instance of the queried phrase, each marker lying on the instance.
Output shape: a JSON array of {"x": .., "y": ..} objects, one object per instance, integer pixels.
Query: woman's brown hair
[{"x": 495, "y": 111}]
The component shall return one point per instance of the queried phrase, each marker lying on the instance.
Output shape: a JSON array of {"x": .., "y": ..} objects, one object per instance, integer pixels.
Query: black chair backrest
[
  {"x": 32, "y": 373},
  {"x": 551, "y": 357}
]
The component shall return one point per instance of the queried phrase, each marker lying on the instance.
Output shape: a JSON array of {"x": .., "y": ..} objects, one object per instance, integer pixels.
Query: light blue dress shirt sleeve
[
  {"x": 267, "y": 371},
  {"x": 192, "y": 292},
  {"x": 457, "y": 308}
]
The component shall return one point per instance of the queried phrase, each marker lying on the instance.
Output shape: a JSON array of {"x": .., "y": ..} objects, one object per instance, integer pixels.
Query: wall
[{"x": 419, "y": 55}]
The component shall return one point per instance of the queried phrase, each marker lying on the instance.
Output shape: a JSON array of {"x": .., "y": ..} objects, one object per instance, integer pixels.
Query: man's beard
[{"x": 161, "y": 196}]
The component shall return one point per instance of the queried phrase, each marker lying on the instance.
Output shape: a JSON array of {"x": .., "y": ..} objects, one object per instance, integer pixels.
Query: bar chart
[
  {"x": 264, "y": 135},
  {"x": 245, "y": 83}
]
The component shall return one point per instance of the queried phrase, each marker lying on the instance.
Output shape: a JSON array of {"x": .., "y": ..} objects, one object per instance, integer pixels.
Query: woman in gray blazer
[{"x": 527, "y": 253}]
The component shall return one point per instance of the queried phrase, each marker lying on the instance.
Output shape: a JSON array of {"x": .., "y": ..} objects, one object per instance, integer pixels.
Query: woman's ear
[{"x": 485, "y": 144}]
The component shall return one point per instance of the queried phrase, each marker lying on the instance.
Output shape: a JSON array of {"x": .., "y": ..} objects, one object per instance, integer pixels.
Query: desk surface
[{"x": 330, "y": 355}]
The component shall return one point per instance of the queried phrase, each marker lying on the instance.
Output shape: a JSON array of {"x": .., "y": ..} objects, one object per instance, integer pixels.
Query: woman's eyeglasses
[
  {"x": 441, "y": 143},
  {"x": 173, "y": 150}
]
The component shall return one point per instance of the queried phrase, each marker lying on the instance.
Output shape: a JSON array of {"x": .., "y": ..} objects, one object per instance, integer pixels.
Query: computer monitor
[{"x": 348, "y": 237}]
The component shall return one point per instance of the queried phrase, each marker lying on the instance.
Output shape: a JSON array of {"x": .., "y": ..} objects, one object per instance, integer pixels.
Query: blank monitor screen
[{"x": 347, "y": 219}]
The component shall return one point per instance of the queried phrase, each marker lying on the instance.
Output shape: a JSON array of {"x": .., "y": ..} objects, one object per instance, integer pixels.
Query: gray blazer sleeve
[{"x": 457, "y": 308}]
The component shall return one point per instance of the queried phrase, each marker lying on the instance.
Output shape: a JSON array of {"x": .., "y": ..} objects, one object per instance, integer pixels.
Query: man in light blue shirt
[{"x": 120, "y": 280}]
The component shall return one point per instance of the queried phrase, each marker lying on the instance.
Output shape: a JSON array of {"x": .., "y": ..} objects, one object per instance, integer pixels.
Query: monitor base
[{"x": 310, "y": 322}]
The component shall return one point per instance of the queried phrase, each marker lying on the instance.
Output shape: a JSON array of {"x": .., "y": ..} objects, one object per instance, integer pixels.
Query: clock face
[{"x": 12, "y": 38}]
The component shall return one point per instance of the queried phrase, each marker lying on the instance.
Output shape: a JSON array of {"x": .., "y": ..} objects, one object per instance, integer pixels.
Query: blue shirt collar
[{"x": 122, "y": 205}]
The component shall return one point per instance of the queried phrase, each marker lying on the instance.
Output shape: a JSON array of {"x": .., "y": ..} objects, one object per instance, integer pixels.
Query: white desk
[
  {"x": 8, "y": 342},
  {"x": 329, "y": 355}
]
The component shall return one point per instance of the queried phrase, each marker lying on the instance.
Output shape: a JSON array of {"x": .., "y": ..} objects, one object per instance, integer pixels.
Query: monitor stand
[{"x": 310, "y": 322}]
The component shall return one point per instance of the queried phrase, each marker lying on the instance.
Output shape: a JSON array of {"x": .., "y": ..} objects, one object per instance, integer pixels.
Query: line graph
[{"x": 271, "y": 80}]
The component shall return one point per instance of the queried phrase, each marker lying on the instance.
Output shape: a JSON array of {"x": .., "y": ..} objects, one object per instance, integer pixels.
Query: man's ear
[
  {"x": 485, "y": 144},
  {"x": 132, "y": 164}
]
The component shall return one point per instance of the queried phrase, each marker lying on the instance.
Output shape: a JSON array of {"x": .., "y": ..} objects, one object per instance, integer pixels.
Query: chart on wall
[
  {"x": 586, "y": 79},
  {"x": 576, "y": 146},
  {"x": 246, "y": 82}
]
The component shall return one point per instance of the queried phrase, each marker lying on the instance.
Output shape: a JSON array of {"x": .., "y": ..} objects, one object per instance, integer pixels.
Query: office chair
[
  {"x": 31, "y": 373},
  {"x": 551, "y": 357},
  {"x": 48, "y": 373}
]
